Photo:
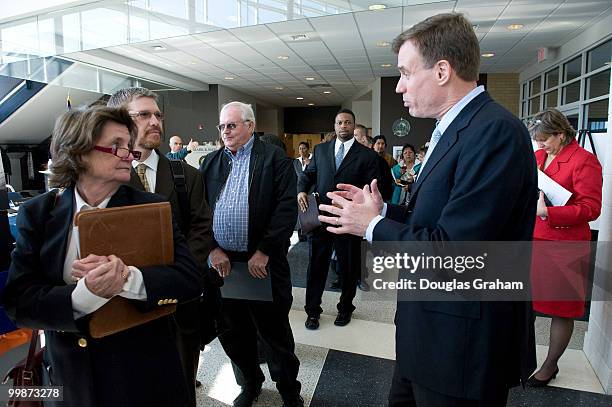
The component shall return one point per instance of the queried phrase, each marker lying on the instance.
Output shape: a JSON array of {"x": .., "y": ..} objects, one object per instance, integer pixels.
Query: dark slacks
[
  {"x": 187, "y": 328},
  {"x": 348, "y": 253},
  {"x": 241, "y": 320},
  {"x": 405, "y": 393}
]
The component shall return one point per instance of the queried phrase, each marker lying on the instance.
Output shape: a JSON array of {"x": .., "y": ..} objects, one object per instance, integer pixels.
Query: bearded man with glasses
[{"x": 152, "y": 172}]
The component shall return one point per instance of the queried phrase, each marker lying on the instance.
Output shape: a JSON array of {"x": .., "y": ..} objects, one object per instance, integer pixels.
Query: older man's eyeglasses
[
  {"x": 120, "y": 152},
  {"x": 146, "y": 115},
  {"x": 230, "y": 126}
]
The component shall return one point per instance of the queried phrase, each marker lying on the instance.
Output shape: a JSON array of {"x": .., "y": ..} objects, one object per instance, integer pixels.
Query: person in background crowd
[
  {"x": 404, "y": 174},
  {"x": 478, "y": 182},
  {"x": 50, "y": 288},
  {"x": 361, "y": 135},
  {"x": 304, "y": 158},
  {"x": 380, "y": 145},
  {"x": 251, "y": 185},
  {"x": 557, "y": 270},
  {"x": 422, "y": 152},
  {"x": 177, "y": 151},
  {"x": 340, "y": 160}
]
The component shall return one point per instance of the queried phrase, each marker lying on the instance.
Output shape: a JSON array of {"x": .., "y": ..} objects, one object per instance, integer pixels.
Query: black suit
[
  {"x": 199, "y": 239},
  {"x": 359, "y": 167},
  {"x": 130, "y": 368},
  {"x": 272, "y": 216},
  {"x": 479, "y": 184}
]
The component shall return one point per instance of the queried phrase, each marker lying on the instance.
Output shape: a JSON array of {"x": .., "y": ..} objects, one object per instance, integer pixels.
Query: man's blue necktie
[{"x": 339, "y": 156}]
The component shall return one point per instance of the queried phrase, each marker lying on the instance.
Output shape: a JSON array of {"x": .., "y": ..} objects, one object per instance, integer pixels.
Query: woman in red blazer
[{"x": 559, "y": 272}]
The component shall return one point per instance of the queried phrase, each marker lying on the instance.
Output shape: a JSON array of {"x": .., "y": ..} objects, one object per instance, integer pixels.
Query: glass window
[
  {"x": 571, "y": 93},
  {"x": 534, "y": 86},
  {"x": 524, "y": 109},
  {"x": 550, "y": 99},
  {"x": 103, "y": 28},
  {"x": 551, "y": 78},
  {"x": 534, "y": 105},
  {"x": 598, "y": 85},
  {"x": 223, "y": 14},
  {"x": 597, "y": 116},
  {"x": 269, "y": 16},
  {"x": 171, "y": 8},
  {"x": 71, "y": 31},
  {"x": 597, "y": 57},
  {"x": 572, "y": 69},
  {"x": 525, "y": 90}
]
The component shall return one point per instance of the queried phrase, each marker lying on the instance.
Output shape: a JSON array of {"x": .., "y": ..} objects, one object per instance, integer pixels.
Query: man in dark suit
[
  {"x": 477, "y": 183},
  {"x": 152, "y": 173},
  {"x": 251, "y": 189},
  {"x": 342, "y": 160}
]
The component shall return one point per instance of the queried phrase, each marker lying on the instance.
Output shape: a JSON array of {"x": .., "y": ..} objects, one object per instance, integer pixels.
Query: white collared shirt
[
  {"x": 301, "y": 160},
  {"x": 151, "y": 171},
  {"x": 442, "y": 125},
  {"x": 83, "y": 300},
  {"x": 347, "y": 146}
]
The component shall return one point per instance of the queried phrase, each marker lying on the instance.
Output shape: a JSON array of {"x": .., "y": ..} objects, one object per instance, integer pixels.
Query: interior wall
[
  {"x": 504, "y": 89},
  {"x": 363, "y": 112},
  {"x": 391, "y": 109},
  {"x": 318, "y": 119},
  {"x": 267, "y": 121}
]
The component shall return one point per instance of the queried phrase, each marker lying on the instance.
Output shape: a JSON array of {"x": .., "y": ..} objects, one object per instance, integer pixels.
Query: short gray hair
[
  {"x": 122, "y": 97},
  {"x": 246, "y": 109}
]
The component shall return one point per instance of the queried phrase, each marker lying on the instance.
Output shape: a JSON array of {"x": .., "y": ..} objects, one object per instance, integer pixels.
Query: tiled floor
[{"x": 353, "y": 365}]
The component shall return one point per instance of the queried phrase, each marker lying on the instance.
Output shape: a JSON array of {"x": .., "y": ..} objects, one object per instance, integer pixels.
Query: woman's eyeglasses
[{"x": 120, "y": 152}]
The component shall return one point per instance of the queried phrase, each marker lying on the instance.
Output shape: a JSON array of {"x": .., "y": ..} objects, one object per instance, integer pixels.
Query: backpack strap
[{"x": 180, "y": 186}]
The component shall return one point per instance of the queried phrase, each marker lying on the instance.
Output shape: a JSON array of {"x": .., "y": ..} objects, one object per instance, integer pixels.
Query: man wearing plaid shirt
[{"x": 251, "y": 187}]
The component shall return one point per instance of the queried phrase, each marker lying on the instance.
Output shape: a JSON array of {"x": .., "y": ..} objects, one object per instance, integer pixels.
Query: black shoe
[
  {"x": 312, "y": 323},
  {"x": 534, "y": 382},
  {"x": 247, "y": 396},
  {"x": 335, "y": 285},
  {"x": 295, "y": 401},
  {"x": 343, "y": 318},
  {"x": 198, "y": 383},
  {"x": 364, "y": 286}
]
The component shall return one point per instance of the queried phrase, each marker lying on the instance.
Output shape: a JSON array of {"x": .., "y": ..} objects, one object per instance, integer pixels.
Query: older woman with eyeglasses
[
  {"x": 50, "y": 288},
  {"x": 559, "y": 272}
]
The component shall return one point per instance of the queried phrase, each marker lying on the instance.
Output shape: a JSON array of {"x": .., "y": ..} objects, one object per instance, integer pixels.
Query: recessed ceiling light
[
  {"x": 299, "y": 37},
  {"x": 475, "y": 27},
  {"x": 515, "y": 26},
  {"x": 385, "y": 65},
  {"x": 282, "y": 57},
  {"x": 311, "y": 104},
  {"x": 278, "y": 87},
  {"x": 299, "y": 98},
  {"x": 487, "y": 54},
  {"x": 158, "y": 47},
  {"x": 377, "y": 7},
  {"x": 229, "y": 78},
  {"x": 193, "y": 63},
  {"x": 383, "y": 43},
  {"x": 327, "y": 92},
  {"x": 309, "y": 78}
]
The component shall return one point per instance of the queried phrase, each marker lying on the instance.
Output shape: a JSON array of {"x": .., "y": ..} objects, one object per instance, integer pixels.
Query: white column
[{"x": 598, "y": 339}]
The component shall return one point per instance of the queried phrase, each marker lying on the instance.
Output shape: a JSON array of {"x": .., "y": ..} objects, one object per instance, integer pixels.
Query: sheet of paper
[
  {"x": 557, "y": 195},
  {"x": 241, "y": 285}
]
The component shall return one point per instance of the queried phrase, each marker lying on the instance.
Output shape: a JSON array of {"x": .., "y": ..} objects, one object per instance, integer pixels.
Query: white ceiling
[{"x": 342, "y": 51}]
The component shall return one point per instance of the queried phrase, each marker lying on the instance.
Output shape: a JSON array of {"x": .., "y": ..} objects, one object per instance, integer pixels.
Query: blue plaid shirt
[{"x": 231, "y": 214}]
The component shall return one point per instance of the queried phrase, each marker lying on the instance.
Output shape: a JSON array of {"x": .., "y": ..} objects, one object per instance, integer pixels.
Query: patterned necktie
[
  {"x": 339, "y": 156},
  {"x": 435, "y": 137},
  {"x": 140, "y": 170}
]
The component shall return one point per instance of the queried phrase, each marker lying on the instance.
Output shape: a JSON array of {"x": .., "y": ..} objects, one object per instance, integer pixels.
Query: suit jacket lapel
[
  {"x": 57, "y": 227},
  {"x": 449, "y": 138},
  {"x": 563, "y": 157}
]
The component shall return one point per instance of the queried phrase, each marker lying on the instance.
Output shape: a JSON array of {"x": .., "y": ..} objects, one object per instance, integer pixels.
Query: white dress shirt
[
  {"x": 84, "y": 301},
  {"x": 151, "y": 171},
  {"x": 442, "y": 125}
]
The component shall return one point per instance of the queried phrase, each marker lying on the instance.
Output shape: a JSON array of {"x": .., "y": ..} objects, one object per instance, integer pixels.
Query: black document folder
[{"x": 240, "y": 284}]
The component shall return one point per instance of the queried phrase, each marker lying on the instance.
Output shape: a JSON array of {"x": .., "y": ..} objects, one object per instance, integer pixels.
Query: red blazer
[{"x": 579, "y": 172}]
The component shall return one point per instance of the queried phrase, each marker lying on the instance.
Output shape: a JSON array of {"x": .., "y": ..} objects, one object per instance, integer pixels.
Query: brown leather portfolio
[
  {"x": 309, "y": 220},
  {"x": 141, "y": 236}
]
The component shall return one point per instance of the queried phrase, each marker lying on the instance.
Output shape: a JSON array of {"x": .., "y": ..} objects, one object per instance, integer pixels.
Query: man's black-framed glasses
[
  {"x": 120, "y": 152},
  {"x": 230, "y": 126},
  {"x": 146, "y": 115}
]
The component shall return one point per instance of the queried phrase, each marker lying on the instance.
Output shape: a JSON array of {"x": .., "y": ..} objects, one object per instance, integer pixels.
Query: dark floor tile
[
  {"x": 557, "y": 397},
  {"x": 351, "y": 380}
]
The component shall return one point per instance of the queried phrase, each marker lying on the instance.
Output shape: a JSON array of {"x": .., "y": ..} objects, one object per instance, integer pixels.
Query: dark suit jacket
[
  {"x": 272, "y": 206},
  {"x": 199, "y": 236},
  {"x": 359, "y": 167},
  {"x": 113, "y": 370},
  {"x": 479, "y": 184}
]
